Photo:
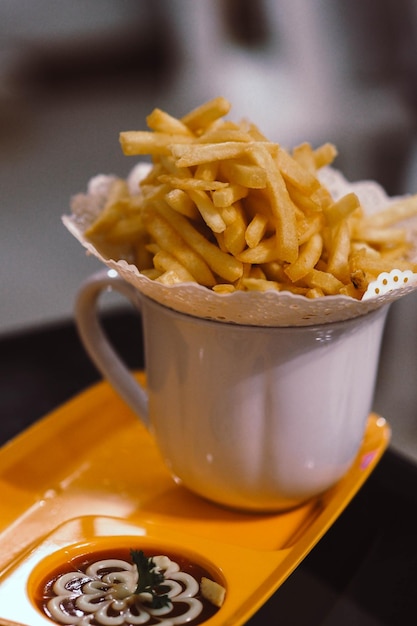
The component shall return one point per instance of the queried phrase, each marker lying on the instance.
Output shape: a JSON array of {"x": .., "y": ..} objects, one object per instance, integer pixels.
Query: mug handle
[{"x": 97, "y": 344}]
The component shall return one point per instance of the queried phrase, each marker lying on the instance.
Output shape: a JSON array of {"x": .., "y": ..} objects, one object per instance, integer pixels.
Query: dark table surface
[{"x": 363, "y": 572}]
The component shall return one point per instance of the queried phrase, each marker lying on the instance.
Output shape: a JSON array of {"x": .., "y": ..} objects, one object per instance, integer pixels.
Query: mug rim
[{"x": 351, "y": 321}]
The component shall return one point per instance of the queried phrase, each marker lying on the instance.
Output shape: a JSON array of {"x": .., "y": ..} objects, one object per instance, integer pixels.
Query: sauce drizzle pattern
[{"x": 105, "y": 595}]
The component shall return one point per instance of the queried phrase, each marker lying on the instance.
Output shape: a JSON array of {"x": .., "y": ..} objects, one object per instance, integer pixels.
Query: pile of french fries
[{"x": 225, "y": 207}]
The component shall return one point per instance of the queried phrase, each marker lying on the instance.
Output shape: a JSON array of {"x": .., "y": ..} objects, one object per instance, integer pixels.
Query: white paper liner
[{"x": 268, "y": 308}]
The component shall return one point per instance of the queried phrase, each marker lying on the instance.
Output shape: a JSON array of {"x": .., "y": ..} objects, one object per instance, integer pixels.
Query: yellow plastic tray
[{"x": 90, "y": 472}]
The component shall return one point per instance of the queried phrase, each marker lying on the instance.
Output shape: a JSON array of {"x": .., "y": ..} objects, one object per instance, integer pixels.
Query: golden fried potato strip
[
  {"x": 146, "y": 142},
  {"x": 202, "y": 116}
]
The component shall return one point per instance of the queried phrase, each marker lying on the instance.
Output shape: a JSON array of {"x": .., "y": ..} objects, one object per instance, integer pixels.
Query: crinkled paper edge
[{"x": 268, "y": 308}]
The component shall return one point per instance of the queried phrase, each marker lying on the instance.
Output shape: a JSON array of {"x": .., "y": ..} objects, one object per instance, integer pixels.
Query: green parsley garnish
[{"x": 149, "y": 579}]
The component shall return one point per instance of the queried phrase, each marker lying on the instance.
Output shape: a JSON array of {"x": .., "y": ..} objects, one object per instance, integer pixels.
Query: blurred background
[{"x": 74, "y": 74}]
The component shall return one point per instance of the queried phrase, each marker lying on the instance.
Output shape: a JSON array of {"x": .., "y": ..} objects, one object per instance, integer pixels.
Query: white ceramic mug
[{"x": 254, "y": 418}]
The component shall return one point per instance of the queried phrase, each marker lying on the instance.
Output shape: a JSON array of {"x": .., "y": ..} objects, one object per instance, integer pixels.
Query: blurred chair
[{"x": 297, "y": 73}]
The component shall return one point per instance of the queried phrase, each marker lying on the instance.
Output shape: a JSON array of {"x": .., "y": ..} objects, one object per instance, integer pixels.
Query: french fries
[{"x": 226, "y": 208}]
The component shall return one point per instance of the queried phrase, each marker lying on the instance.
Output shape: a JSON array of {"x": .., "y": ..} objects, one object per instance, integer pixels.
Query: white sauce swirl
[{"x": 105, "y": 593}]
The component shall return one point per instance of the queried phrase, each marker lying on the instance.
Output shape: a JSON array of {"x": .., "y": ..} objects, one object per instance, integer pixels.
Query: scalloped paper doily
[{"x": 268, "y": 308}]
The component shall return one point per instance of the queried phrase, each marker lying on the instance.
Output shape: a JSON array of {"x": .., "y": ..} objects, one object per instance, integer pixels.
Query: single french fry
[
  {"x": 167, "y": 262},
  {"x": 221, "y": 135},
  {"x": 306, "y": 202},
  {"x": 179, "y": 200},
  {"x": 205, "y": 114},
  {"x": 256, "y": 230},
  {"x": 341, "y": 209},
  {"x": 219, "y": 238},
  {"x": 174, "y": 277},
  {"x": 293, "y": 172},
  {"x": 281, "y": 205},
  {"x": 266, "y": 251},
  {"x": 135, "y": 142},
  {"x": 243, "y": 174},
  {"x": 190, "y": 154},
  {"x": 325, "y": 281},
  {"x": 310, "y": 253},
  {"x": 259, "y": 284},
  {"x": 224, "y": 288},
  {"x": 207, "y": 171},
  {"x": 191, "y": 183},
  {"x": 304, "y": 155},
  {"x": 309, "y": 226},
  {"x": 208, "y": 211},
  {"x": 234, "y": 234},
  {"x": 228, "y": 195},
  {"x": 338, "y": 256},
  {"x": 380, "y": 236},
  {"x": 162, "y": 122},
  {"x": 314, "y": 292},
  {"x": 324, "y": 155}
]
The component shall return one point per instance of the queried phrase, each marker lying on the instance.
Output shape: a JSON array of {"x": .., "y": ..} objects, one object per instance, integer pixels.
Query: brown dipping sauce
[{"x": 129, "y": 606}]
